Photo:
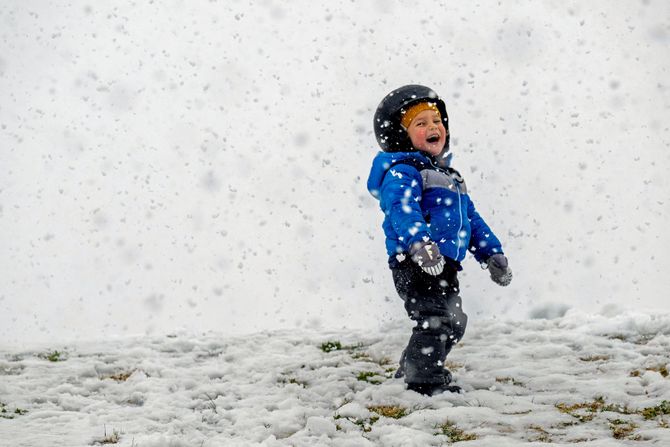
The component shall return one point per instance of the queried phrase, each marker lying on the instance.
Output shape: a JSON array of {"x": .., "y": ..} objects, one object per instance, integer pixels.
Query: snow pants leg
[{"x": 433, "y": 302}]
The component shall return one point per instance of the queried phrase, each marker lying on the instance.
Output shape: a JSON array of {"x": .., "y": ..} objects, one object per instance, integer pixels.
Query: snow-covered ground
[
  {"x": 585, "y": 379},
  {"x": 161, "y": 162}
]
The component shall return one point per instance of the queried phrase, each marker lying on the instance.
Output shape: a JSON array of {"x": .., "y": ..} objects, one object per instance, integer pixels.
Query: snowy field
[
  {"x": 140, "y": 192},
  {"x": 598, "y": 380}
]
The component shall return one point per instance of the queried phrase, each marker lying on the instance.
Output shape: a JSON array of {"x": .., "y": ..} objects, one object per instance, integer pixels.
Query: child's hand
[
  {"x": 499, "y": 269},
  {"x": 427, "y": 256}
]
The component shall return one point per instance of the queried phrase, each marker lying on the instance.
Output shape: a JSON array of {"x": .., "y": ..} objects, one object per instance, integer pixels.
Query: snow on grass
[{"x": 585, "y": 379}]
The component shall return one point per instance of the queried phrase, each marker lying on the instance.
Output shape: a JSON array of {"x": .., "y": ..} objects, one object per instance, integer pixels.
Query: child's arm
[
  {"x": 400, "y": 196},
  {"x": 483, "y": 243}
]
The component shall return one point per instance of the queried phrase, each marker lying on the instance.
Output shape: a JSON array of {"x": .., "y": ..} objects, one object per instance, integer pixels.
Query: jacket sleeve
[
  {"x": 483, "y": 243},
  {"x": 400, "y": 197}
]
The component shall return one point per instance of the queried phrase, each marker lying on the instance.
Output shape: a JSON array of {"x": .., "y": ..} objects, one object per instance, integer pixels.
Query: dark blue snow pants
[{"x": 433, "y": 302}]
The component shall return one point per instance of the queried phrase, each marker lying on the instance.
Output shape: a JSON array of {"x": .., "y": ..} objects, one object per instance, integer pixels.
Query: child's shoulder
[
  {"x": 385, "y": 160},
  {"x": 400, "y": 162}
]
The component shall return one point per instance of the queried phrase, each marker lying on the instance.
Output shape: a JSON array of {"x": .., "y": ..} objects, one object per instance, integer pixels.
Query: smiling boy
[
  {"x": 424, "y": 126},
  {"x": 430, "y": 222}
]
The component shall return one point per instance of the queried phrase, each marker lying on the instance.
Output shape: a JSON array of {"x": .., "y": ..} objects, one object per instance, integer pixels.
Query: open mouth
[{"x": 433, "y": 139}]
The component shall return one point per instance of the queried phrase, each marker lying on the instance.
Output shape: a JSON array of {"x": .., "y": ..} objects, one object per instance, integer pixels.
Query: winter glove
[
  {"x": 498, "y": 268},
  {"x": 427, "y": 256}
]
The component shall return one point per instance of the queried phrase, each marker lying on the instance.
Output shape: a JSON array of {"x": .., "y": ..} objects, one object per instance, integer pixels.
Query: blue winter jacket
[{"x": 422, "y": 201}]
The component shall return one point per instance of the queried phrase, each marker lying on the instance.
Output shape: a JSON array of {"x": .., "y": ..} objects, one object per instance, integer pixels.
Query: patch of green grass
[
  {"x": 390, "y": 372},
  {"x": 389, "y": 411},
  {"x": 455, "y": 434},
  {"x": 293, "y": 380},
  {"x": 511, "y": 380},
  {"x": 586, "y": 411},
  {"x": 53, "y": 356},
  {"x": 368, "y": 376},
  {"x": 577, "y": 410},
  {"x": 331, "y": 346},
  {"x": 5, "y": 413},
  {"x": 594, "y": 358},
  {"x": 364, "y": 424},
  {"x": 614, "y": 408},
  {"x": 623, "y": 429},
  {"x": 658, "y": 410}
]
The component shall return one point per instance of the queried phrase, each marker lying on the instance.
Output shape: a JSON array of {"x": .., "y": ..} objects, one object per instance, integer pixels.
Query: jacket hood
[{"x": 383, "y": 161}]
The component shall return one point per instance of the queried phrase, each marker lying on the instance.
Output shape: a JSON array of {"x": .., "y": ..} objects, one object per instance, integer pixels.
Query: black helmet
[{"x": 390, "y": 134}]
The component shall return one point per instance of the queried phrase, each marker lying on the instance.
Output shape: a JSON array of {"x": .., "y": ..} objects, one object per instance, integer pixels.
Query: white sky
[{"x": 202, "y": 165}]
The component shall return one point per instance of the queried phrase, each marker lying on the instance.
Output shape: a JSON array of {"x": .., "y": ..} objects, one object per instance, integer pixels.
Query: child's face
[{"x": 427, "y": 132}]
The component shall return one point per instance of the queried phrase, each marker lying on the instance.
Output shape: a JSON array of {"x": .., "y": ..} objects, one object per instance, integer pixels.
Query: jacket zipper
[
  {"x": 460, "y": 224},
  {"x": 460, "y": 213}
]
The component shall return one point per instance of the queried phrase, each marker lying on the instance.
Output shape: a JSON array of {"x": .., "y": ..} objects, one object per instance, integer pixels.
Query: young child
[{"x": 429, "y": 223}]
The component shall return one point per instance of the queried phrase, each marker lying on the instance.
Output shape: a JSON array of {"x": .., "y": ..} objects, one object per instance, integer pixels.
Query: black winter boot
[
  {"x": 400, "y": 372},
  {"x": 431, "y": 389}
]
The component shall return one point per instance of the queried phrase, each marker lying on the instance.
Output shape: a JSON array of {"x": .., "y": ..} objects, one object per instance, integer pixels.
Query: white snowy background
[
  {"x": 202, "y": 165},
  {"x": 194, "y": 172}
]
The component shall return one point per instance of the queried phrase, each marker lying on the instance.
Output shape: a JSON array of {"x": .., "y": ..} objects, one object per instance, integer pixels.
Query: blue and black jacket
[{"x": 422, "y": 201}]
